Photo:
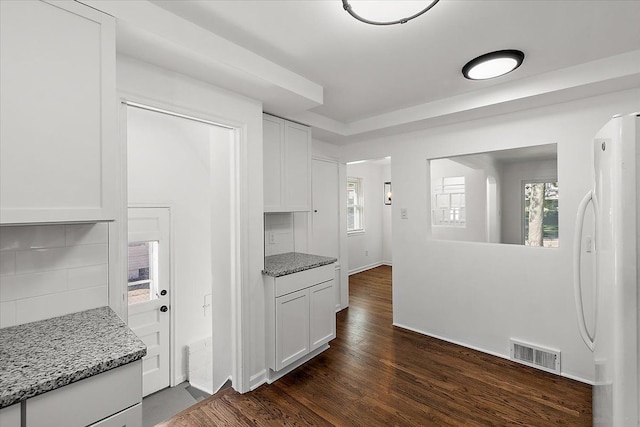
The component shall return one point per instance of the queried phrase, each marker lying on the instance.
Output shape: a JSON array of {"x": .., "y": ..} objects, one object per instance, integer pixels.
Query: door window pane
[{"x": 142, "y": 272}]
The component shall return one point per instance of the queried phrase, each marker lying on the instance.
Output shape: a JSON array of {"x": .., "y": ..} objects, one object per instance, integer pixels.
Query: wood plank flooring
[{"x": 375, "y": 374}]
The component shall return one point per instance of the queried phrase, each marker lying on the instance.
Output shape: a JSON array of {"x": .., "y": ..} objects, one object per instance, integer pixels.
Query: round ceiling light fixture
[
  {"x": 388, "y": 12},
  {"x": 493, "y": 64}
]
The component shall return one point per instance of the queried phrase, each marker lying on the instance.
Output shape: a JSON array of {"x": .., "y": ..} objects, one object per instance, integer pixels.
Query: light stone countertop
[
  {"x": 42, "y": 356},
  {"x": 293, "y": 262}
]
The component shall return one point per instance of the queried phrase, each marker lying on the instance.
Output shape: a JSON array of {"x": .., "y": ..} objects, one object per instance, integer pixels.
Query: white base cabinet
[
  {"x": 58, "y": 123},
  {"x": 110, "y": 399},
  {"x": 300, "y": 313},
  {"x": 10, "y": 416}
]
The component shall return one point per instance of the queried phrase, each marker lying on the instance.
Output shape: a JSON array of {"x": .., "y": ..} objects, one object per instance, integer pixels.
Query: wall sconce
[{"x": 387, "y": 193}]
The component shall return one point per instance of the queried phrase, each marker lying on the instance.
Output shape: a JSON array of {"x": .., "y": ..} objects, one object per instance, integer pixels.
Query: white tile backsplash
[
  {"x": 86, "y": 234},
  {"x": 66, "y": 257},
  {"x": 52, "y": 270},
  {"x": 7, "y": 314},
  {"x": 7, "y": 263},
  {"x": 20, "y": 286},
  {"x": 48, "y": 306},
  {"x": 31, "y": 237},
  {"x": 88, "y": 277}
]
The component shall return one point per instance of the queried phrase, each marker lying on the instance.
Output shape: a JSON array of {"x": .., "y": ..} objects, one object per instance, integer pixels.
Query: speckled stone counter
[
  {"x": 41, "y": 356},
  {"x": 293, "y": 262}
]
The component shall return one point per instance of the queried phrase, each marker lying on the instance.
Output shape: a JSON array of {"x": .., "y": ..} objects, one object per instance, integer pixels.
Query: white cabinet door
[
  {"x": 58, "y": 129},
  {"x": 273, "y": 137},
  {"x": 322, "y": 314},
  {"x": 297, "y": 176},
  {"x": 292, "y": 327},
  {"x": 10, "y": 416},
  {"x": 325, "y": 219},
  {"x": 286, "y": 165}
]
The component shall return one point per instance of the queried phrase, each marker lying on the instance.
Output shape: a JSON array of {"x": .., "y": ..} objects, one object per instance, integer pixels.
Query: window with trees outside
[
  {"x": 540, "y": 214},
  {"x": 355, "y": 205}
]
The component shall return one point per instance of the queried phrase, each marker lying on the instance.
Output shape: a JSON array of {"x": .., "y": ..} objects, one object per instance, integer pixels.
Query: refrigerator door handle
[{"x": 577, "y": 279}]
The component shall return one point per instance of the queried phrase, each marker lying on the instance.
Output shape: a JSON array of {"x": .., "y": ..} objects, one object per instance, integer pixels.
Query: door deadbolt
[{"x": 163, "y": 292}]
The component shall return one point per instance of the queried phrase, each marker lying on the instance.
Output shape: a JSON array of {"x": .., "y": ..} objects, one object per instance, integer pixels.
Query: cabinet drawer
[
  {"x": 303, "y": 279},
  {"x": 131, "y": 417},
  {"x": 88, "y": 401}
]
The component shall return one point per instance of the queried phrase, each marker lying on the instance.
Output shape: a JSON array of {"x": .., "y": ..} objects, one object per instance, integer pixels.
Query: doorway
[
  {"x": 186, "y": 164},
  {"x": 369, "y": 214}
]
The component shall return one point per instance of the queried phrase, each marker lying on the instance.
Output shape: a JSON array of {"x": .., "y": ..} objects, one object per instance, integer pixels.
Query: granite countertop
[
  {"x": 293, "y": 262},
  {"x": 41, "y": 356}
]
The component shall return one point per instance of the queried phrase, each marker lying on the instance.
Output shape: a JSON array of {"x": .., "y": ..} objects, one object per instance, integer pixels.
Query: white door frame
[{"x": 239, "y": 224}]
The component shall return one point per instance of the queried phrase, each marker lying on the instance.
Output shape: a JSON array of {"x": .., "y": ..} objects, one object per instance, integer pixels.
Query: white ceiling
[{"x": 376, "y": 80}]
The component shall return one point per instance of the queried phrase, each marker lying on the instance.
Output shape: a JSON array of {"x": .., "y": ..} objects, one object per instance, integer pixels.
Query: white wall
[
  {"x": 481, "y": 294},
  {"x": 285, "y": 232},
  {"x": 161, "y": 88},
  {"x": 365, "y": 249},
  {"x": 52, "y": 270}
]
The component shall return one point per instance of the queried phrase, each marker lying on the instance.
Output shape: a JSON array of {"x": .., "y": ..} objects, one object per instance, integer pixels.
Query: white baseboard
[
  {"x": 257, "y": 380},
  {"x": 387, "y": 263},
  {"x": 365, "y": 268},
  {"x": 483, "y": 350}
]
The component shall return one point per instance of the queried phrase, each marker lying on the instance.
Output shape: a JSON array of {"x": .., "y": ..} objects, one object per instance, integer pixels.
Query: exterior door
[{"x": 148, "y": 291}]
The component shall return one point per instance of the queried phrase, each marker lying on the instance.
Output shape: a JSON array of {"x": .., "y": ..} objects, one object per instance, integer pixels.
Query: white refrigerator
[{"x": 613, "y": 331}]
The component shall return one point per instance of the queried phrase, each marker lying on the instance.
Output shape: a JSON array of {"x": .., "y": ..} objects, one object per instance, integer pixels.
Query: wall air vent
[{"x": 536, "y": 357}]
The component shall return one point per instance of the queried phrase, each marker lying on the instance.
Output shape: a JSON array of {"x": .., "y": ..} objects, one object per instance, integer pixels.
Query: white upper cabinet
[
  {"x": 287, "y": 165},
  {"x": 58, "y": 129}
]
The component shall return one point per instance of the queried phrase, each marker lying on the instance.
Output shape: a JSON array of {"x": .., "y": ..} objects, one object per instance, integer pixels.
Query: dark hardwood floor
[{"x": 375, "y": 374}]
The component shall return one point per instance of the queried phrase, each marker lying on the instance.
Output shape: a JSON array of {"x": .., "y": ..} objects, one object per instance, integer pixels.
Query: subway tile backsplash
[{"x": 52, "y": 270}]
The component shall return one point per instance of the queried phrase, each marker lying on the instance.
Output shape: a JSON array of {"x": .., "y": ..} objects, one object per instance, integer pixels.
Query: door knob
[
  {"x": 163, "y": 292},
  {"x": 164, "y": 308}
]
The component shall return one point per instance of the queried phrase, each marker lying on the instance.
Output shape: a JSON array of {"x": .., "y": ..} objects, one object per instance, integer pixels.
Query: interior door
[
  {"x": 325, "y": 225},
  {"x": 148, "y": 291}
]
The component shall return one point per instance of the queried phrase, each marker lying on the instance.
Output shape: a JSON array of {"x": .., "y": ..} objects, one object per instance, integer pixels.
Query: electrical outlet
[
  {"x": 404, "y": 213},
  {"x": 272, "y": 238},
  {"x": 366, "y": 253}
]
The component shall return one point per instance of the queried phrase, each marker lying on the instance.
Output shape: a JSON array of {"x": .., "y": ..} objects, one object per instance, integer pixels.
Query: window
[
  {"x": 355, "y": 205},
  {"x": 540, "y": 213},
  {"x": 142, "y": 272},
  {"x": 448, "y": 201}
]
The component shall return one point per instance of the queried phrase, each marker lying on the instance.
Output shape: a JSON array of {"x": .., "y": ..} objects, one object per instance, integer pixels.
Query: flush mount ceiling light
[
  {"x": 493, "y": 64},
  {"x": 387, "y": 12}
]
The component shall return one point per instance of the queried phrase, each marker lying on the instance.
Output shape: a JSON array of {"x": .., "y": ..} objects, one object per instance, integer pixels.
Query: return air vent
[{"x": 536, "y": 357}]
